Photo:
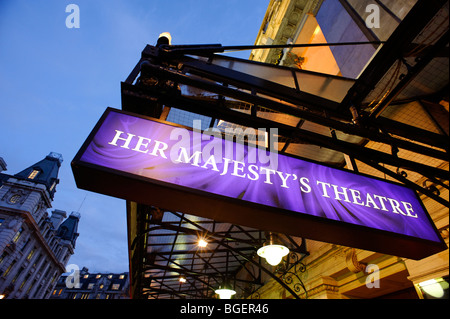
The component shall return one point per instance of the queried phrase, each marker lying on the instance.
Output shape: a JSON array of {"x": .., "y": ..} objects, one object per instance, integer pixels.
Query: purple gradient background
[{"x": 101, "y": 153}]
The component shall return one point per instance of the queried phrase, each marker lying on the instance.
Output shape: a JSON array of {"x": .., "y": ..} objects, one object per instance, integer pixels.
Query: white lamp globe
[
  {"x": 225, "y": 293},
  {"x": 273, "y": 253}
]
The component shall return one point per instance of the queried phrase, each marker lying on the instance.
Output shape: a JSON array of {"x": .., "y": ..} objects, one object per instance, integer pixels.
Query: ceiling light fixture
[
  {"x": 225, "y": 291},
  {"x": 202, "y": 243},
  {"x": 272, "y": 251},
  {"x": 434, "y": 287}
]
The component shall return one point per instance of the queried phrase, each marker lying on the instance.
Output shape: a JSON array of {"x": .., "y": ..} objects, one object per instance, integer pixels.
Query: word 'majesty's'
[{"x": 180, "y": 153}]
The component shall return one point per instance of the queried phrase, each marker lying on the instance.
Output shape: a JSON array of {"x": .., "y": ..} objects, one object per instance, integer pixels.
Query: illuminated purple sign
[{"x": 208, "y": 166}]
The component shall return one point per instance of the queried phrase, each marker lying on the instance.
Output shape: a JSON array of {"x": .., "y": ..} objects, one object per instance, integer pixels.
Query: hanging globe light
[
  {"x": 225, "y": 291},
  {"x": 272, "y": 251}
]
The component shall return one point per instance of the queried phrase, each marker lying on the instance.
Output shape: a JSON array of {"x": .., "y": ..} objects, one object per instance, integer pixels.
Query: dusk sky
[{"x": 55, "y": 83}]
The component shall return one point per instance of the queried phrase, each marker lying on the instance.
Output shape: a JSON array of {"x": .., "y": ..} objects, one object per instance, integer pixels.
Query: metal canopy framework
[
  {"x": 171, "y": 253},
  {"x": 387, "y": 123}
]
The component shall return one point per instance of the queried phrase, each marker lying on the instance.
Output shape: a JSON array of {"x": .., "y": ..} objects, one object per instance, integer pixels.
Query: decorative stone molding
[
  {"x": 352, "y": 262},
  {"x": 19, "y": 193},
  {"x": 444, "y": 232},
  {"x": 427, "y": 274},
  {"x": 27, "y": 188},
  {"x": 281, "y": 23},
  {"x": 323, "y": 287}
]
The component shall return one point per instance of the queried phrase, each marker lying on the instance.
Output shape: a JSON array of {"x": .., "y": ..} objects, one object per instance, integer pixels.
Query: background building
[
  {"x": 34, "y": 246},
  {"x": 93, "y": 286}
]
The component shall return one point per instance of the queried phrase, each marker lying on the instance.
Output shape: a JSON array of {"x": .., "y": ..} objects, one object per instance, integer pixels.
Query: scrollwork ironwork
[
  {"x": 255, "y": 295},
  {"x": 432, "y": 187},
  {"x": 401, "y": 172},
  {"x": 251, "y": 291},
  {"x": 289, "y": 270}
]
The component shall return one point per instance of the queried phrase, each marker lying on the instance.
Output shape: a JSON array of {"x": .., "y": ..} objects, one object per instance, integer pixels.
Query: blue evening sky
[{"x": 55, "y": 83}]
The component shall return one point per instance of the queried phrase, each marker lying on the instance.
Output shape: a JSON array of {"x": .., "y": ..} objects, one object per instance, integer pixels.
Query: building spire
[
  {"x": 68, "y": 229},
  {"x": 44, "y": 172}
]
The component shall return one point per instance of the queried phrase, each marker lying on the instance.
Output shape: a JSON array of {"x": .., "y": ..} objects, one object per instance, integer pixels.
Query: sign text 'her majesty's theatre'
[{"x": 199, "y": 172}]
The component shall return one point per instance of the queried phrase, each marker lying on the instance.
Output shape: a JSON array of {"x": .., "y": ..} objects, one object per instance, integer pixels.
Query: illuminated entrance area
[{"x": 171, "y": 248}]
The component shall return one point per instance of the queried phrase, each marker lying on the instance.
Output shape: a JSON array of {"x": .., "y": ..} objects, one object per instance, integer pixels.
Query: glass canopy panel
[
  {"x": 326, "y": 86},
  {"x": 413, "y": 114},
  {"x": 315, "y": 153},
  {"x": 430, "y": 80},
  {"x": 281, "y": 76},
  {"x": 187, "y": 118}
]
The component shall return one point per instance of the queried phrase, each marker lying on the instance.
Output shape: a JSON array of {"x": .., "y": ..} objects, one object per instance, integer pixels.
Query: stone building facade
[
  {"x": 80, "y": 284},
  {"x": 35, "y": 246}
]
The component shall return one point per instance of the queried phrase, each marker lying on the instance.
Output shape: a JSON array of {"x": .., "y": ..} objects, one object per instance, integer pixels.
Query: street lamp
[{"x": 164, "y": 38}]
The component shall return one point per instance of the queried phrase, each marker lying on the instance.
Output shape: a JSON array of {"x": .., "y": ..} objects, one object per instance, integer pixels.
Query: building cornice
[{"x": 29, "y": 220}]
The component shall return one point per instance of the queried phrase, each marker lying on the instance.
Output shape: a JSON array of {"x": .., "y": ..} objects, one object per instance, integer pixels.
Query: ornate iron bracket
[{"x": 289, "y": 270}]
